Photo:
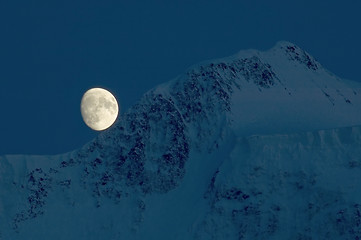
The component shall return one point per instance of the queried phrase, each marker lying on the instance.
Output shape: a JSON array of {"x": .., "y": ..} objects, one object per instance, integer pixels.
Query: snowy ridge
[{"x": 234, "y": 148}]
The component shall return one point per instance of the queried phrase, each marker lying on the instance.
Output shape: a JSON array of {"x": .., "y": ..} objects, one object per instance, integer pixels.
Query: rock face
[{"x": 259, "y": 145}]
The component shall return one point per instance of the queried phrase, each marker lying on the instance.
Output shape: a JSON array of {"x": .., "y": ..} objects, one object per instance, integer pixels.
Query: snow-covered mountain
[{"x": 259, "y": 145}]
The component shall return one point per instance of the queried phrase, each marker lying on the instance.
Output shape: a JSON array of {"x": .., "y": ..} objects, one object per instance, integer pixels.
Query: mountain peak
[
  {"x": 205, "y": 152},
  {"x": 281, "y": 90},
  {"x": 295, "y": 53},
  {"x": 284, "y": 44}
]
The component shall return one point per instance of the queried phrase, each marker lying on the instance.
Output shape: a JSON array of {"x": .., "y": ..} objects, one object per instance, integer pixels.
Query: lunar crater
[{"x": 99, "y": 109}]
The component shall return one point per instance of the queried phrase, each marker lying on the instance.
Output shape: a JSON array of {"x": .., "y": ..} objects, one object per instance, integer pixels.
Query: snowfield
[{"x": 258, "y": 145}]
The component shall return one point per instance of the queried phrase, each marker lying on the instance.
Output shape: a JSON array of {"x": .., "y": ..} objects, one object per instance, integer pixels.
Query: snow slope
[{"x": 259, "y": 145}]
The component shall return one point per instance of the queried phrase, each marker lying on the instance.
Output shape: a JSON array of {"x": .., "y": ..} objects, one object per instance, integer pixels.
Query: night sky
[{"x": 51, "y": 52}]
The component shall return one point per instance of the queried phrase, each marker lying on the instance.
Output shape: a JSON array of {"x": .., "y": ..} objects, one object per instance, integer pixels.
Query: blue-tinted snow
[{"x": 259, "y": 145}]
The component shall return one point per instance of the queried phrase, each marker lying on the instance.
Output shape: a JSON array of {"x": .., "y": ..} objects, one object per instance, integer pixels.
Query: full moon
[{"x": 99, "y": 108}]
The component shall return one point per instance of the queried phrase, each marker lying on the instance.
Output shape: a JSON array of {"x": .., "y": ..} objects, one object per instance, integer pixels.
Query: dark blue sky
[{"x": 51, "y": 52}]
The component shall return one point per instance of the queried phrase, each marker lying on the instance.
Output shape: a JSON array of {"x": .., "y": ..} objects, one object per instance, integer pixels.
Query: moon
[{"x": 99, "y": 108}]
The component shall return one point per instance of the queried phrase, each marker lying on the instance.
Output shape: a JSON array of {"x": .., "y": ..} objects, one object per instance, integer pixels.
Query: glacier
[{"x": 258, "y": 145}]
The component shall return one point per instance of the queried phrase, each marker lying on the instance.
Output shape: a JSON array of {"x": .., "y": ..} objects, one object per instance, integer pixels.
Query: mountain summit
[{"x": 258, "y": 145}]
